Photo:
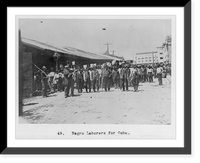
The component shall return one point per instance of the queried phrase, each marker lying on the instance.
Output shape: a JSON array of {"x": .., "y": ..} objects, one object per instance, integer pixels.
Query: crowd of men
[{"x": 96, "y": 78}]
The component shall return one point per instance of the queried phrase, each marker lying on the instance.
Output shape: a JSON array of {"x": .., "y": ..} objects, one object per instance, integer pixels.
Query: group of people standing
[
  {"x": 132, "y": 75},
  {"x": 90, "y": 78},
  {"x": 98, "y": 77},
  {"x": 50, "y": 81}
]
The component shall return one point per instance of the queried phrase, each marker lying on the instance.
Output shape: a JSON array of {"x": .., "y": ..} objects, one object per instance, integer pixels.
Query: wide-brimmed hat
[
  {"x": 44, "y": 67},
  {"x": 67, "y": 65}
]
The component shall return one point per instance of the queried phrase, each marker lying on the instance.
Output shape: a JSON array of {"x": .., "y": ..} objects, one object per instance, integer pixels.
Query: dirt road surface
[{"x": 151, "y": 105}]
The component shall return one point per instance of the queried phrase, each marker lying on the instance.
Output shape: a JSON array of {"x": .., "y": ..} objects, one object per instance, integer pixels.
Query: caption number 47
[{"x": 60, "y": 133}]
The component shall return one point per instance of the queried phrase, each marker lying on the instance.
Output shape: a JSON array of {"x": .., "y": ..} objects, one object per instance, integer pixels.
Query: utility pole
[
  {"x": 113, "y": 52},
  {"x": 108, "y": 46}
]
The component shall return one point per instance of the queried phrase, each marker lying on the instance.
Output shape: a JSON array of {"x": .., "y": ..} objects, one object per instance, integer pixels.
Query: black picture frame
[{"x": 5, "y": 150}]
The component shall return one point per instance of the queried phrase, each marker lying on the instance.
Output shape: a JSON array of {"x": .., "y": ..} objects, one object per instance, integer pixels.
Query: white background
[{"x": 177, "y": 66}]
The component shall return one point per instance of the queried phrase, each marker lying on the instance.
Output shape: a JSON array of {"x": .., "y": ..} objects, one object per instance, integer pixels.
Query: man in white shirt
[
  {"x": 134, "y": 78},
  {"x": 150, "y": 74},
  {"x": 55, "y": 81},
  {"x": 51, "y": 77},
  {"x": 159, "y": 74}
]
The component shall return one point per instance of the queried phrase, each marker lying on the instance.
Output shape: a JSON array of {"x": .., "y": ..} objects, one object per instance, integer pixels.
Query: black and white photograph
[
  {"x": 96, "y": 70},
  {"x": 98, "y": 80}
]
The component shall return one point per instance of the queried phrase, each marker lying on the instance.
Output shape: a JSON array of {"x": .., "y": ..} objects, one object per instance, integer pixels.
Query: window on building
[{"x": 161, "y": 57}]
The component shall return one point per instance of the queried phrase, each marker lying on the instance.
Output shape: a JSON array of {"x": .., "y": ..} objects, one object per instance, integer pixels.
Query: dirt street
[{"x": 151, "y": 105}]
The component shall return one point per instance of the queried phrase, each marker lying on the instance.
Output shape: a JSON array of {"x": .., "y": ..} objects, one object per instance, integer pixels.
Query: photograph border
[
  {"x": 127, "y": 150},
  {"x": 135, "y": 130}
]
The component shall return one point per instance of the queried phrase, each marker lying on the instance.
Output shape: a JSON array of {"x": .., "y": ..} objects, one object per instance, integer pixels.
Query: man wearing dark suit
[
  {"x": 126, "y": 76},
  {"x": 72, "y": 79},
  {"x": 66, "y": 80},
  {"x": 106, "y": 74},
  {"x": 115, "y": 77},
  {"x": 122, "y": 77},
  {"x": 95, "y": 79},
  {"x": 79, "y": 80},
  {"x": 86, "y": 78}
]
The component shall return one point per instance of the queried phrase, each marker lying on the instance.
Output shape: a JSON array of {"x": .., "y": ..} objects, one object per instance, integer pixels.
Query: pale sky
[{"x": 127, "y": 36}]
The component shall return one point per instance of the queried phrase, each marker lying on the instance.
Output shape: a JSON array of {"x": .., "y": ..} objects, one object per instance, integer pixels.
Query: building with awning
[
  {"x": 35, "y": 54},
  {"x": 66, "y": 53}
]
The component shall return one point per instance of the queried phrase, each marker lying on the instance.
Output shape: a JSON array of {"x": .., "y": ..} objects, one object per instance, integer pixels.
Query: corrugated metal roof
[
  {"x": 114, "y": 57},
  {"x": 40, "y": 45},
  {"x": 85, "y": 54},
  {"x": 66, "y": 50}
]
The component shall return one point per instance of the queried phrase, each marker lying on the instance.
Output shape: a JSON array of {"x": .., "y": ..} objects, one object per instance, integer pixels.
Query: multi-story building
[
  {"x": 149, "y": 57},
  {"x": 160, "y": 56},
  {"x": 144, "y": 58},
  {"x": 163, "y": 54}
]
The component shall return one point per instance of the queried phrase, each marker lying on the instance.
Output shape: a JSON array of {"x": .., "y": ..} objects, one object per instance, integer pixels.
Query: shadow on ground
[
  {"x": 31, "y": 115},
  {"x": 77, "y": 95},
  {"x": 51, "y": 95},
  {"x": 30, "y": 104},
  {"x": 158, "y": 85},
  {"x": 28, "y": 113}
]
